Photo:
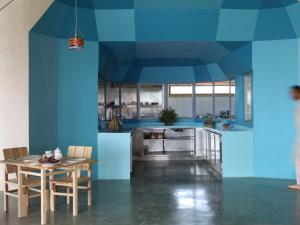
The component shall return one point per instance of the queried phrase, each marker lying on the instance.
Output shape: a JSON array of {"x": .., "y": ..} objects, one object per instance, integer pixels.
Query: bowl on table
[{"x": 48, "y": 154}]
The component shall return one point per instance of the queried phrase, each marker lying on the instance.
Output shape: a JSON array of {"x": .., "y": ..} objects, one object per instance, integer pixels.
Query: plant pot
[
  {"x": 209, "y": 125},
  {"x": 226, "y": 126}
]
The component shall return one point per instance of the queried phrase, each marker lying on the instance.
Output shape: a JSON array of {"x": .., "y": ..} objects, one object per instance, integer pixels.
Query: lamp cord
[{"x": 76, "y": 18}]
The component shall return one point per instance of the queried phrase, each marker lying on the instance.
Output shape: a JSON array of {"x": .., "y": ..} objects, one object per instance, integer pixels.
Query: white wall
[{"x": 15, "y": 22}]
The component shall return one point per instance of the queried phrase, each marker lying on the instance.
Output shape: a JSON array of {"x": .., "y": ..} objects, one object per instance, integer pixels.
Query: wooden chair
[
  {"x": 29, "y": 183},
  {"x": 84, "y": 181}
]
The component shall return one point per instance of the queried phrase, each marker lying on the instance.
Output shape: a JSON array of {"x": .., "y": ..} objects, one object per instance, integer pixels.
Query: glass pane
[
  {"x": 201, "y": 89},
  {"x": 112, "y": 101},
  {"x": 204, "y": 100},
  {"x": 181, "y": 89},
  {"x": 222, "y": 87},
  {"x": 182, "y": 103},
  {"x": 101, "y": 102},
  {"x": 248, "y": 97},
  {"x": 204, "y": 106},
  {"x": 129, "y": 101},
  {"x": 151, "y": 100},
  {"x": 232, "y": 109},
  {"x": 222, "y": 106}
]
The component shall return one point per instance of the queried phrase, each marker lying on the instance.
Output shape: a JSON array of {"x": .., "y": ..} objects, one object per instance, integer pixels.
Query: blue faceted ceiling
[
  {"x": 173, "y": 62},
  {"x": 174, "y": 20},
  {"x": 146, "y": 41}
]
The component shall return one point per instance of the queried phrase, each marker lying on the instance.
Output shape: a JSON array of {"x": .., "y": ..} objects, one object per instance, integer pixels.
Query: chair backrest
[
  {"x": 12, "y": 153},
  {"x": 81, "y": 152}
]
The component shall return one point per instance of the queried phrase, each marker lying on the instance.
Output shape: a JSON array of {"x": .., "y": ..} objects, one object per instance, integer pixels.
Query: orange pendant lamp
[{"x": 76, "y": 40}]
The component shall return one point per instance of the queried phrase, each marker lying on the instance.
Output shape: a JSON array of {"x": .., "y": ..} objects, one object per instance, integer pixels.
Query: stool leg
[
  {"x": 47, "y": 199},
  {"x": 90, "y": 188},
  {"x": 5, "y": 197}
]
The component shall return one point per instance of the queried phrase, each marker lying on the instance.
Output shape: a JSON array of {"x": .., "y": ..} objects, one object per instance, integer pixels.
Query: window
[
  {"x": 204, "y": 88},
  {"x": 112, "y": 100},
  {"x": 223, "y": 99},
  {"x": 180, "y": 89},
  {"x": 215, "y": 99},
  {"x": 232, "y": 100},
  {"x": 129, "y": 101},
  {"x": 204, "y": 100},
  {"x": 224, "y": 88},
  {"x": 180, "y": 99},
  {"x": 212, "y": 99},
  {"x": 101, "y": 102},
  {"x": 248, "y": 97},
  {"x": 151, "y": 100}
]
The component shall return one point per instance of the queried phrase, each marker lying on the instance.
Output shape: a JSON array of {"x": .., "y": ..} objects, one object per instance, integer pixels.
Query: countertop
[{"x": 128, "y": 127}]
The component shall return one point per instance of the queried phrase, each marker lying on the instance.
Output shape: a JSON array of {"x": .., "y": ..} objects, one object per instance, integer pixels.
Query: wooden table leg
[
  {"x": 52, "y": 196},
  {"x": 22, "y": 206},
  {"x": 75, "y": 192},
  {"x": 43, "y": 197}
]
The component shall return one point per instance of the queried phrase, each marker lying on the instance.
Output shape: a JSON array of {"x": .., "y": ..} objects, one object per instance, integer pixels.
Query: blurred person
[{"x": 295, "y": 94}]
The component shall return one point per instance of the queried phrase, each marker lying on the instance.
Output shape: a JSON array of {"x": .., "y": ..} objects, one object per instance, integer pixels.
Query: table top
[{"x": 35, "y": 164}]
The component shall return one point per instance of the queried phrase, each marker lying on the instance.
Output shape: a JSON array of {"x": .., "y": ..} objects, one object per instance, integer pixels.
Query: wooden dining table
[{"x": 45, "y": 171}]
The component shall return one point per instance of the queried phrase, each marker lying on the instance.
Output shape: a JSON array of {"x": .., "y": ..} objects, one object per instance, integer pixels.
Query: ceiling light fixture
[{"x": 76, "y": 40}]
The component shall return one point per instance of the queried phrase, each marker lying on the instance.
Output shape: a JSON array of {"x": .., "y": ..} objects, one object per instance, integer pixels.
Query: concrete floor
[{"x": 177, "y": 193}]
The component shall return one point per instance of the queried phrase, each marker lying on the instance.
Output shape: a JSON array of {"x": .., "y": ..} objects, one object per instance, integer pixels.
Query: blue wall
[
  {"x": 77, "y": 120},
  {"x": 43, "y": 94},
  {"x": 63, "y": 95},
  {"x": 275, "y": 67}
]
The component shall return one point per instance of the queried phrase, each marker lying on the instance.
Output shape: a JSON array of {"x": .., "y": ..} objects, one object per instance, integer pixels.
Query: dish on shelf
[
  {"x": 152, "y": 136},
  {"x": 160, "y": 136}
]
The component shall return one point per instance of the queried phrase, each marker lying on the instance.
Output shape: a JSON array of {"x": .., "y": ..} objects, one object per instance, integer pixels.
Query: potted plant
[
  {"x": 168, "y": 116},
  {"x": 209, "y": 121}
]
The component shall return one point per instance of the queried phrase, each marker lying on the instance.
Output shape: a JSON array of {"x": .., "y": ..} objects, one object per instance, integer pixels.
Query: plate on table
[
  {"x": 28, "y": 160},
  {"x": 34, "y": 156},
  {"x": 30, "y": 157},
  {"x": 50, "y": 164},
  {"x": 34, "y": 163}
]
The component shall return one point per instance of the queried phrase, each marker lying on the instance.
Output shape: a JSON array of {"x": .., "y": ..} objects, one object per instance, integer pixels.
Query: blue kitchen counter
[
  {"x": 128, "y": 127},
  {"x": 114, "y": 149}
]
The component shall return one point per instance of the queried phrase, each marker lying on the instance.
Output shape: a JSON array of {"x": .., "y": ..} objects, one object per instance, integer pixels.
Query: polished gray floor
[{"x": 177, "y": 193}]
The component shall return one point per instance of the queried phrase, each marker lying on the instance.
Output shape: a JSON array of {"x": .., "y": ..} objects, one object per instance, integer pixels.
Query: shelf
[
  {"x": 172, "y": 138},
  {"x": 151, "y": 106},
  {"x": 183, "y": 138}
]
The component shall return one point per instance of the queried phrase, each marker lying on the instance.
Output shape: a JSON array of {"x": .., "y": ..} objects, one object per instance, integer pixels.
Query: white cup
[{"x": 48, "y": 154}]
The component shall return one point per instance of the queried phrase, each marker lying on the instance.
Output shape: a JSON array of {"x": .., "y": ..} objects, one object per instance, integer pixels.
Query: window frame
[{"x": 165, "y": 104}]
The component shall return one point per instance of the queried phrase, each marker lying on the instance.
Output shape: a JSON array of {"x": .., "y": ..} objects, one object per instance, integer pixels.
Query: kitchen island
[{"x": 231, "y": 150}]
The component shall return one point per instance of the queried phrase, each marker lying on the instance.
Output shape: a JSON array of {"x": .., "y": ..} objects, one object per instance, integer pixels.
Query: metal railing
[{"x": 213, "y": 148}]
